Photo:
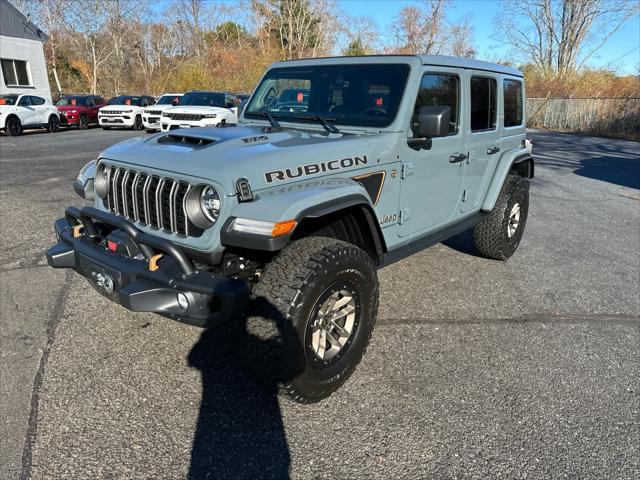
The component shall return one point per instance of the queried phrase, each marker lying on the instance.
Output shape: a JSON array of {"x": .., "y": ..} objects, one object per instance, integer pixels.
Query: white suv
[
  {"x": 201, "y": 109},
  {"x": 18, "y": 112},
  {"x": 151, "y": 116},
  {"x": 124, "y": 111}
]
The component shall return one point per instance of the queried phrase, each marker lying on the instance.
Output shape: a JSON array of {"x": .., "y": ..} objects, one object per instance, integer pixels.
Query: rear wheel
[
  {"x": 13, "y": 126},
  {"x": 499, "y": 235},
  {"x": 312, "y": 317},
  {"x": 138, "y": 125},
  {"x": 83, "y": 123},
  {"x": 54, "y": 124}
]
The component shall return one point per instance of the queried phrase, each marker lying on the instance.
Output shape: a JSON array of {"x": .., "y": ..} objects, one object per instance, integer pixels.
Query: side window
[
  {"x": 512, "y": 93},
  {"x": 36, "y": 100},
  {"x": 483, "y": 104},
  {"x": 439, "y": 90},
  {"x": 24, "y": 101}
]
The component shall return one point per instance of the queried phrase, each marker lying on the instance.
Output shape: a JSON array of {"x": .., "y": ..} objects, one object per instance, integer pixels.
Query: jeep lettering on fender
[{"x": 337, "y": 167}]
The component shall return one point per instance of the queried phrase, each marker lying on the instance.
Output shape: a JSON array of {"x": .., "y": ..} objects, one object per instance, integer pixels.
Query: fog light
[{"x": 183, "y": 301}]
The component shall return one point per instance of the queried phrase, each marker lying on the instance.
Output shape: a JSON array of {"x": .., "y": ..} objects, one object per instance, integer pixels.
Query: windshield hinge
[{"x": 407, "y": 170}]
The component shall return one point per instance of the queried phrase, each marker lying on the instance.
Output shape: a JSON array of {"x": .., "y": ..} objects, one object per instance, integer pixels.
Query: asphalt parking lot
[{"x": 477, "y": 369}]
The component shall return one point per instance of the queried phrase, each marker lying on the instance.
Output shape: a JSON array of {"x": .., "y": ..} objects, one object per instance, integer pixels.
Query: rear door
[
  {"x": 431, "y": 184},
  {"x": 40, "y": 108},
  {"x": 483, "y": 136}
]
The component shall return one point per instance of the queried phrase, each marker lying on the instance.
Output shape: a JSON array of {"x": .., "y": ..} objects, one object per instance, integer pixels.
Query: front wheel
[
  {"x": 54, "y": 124},
  {"x": 138, "y": 125},
  {"x": 499, "y": 235},
  {"x": 13, "y": 127},
  {"x": 83, "y": 123},
  {"x": 106, "y": 128},
  {"x": 311, "y": 317}
]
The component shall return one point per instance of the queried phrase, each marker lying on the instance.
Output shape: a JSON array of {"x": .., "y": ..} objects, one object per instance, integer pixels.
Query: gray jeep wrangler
[{"x": 338, "y": 167}]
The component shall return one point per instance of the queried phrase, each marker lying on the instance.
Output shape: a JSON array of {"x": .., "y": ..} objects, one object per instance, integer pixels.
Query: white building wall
[{"x": 33, "y": 52}]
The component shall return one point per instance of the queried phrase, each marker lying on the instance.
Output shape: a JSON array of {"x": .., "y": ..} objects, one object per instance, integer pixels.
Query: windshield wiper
[
  {"x": 274, "y": 123},
  {"x": 323, "y": 121}
]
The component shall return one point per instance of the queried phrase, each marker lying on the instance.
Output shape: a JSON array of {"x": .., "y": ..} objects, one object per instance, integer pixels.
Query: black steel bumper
[{"x": 176, "y": 289}]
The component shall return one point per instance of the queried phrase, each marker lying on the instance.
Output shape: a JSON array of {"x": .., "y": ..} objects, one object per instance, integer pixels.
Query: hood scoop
[{"x": 186, "y": 140}]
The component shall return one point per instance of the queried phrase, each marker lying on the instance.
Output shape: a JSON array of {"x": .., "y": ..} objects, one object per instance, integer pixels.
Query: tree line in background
[{"x": 133, "y": 46}]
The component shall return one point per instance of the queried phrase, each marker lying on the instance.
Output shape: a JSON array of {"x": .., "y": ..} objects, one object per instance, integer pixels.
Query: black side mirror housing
[{"x": 432, "y": 122}]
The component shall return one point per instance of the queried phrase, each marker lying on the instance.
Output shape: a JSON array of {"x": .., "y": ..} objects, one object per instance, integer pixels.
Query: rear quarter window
[{"x": 512, "y": 94}]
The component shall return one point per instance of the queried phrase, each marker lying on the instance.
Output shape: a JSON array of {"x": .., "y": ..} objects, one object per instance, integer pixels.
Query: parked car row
[{"x": 170, "y": 111}]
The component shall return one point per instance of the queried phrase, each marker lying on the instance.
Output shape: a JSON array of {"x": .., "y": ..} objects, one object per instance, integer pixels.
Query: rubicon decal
[{"x": 313, "y": 168}]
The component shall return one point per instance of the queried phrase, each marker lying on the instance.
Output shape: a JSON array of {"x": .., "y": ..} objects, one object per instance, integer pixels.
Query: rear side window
[
  {"x": 37, "y": 100},
  {"x": 483, "y": 103},
  {"x": 439, "y": 90},
  {"x": 512, "y": 92}
]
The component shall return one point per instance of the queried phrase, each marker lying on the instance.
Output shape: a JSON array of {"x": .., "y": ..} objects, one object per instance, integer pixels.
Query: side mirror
[{"x": 432, "y": 122}]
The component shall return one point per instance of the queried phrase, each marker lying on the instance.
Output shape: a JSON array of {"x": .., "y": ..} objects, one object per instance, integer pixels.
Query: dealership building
[{"x": 24, "y": 69}]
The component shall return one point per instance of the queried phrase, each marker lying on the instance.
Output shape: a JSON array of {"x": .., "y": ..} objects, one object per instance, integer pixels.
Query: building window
[
  {"x": 512, "y": 91},
  {"x": 15, "y": 73},
  {"x": 483, "y": 104}
]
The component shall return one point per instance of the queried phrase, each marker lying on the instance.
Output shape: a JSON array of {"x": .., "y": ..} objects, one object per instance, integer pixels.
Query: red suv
[{"x": 79, "y": 110}]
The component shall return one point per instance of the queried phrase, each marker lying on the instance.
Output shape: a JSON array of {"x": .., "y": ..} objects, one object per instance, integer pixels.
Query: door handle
[
  {"x": 457, "y": 158},
  {"x": 492, "y": 150}
]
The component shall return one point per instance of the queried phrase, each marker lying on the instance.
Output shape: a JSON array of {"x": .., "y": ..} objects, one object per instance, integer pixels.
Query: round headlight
[
  {"x": 210, "y": 203},
  {"x": 86, "y": 173},
  {"x": 101, "y": 181}
]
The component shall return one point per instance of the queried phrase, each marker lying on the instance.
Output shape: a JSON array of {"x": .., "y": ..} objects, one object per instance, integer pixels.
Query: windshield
[
  {"x": 64, "y": 101},
  {"x": 125, "y": 100},
  {"x": 169, "y": 100},
  {"x": 8, "y": 99},
  {"x": 208, "y": 99},
  {"x": 366, "y": 95}
]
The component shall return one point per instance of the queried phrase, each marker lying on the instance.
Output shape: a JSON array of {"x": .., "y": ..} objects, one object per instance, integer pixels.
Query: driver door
[
  {"x": 26, "y": 111},
  {"x": 431, "y": 184}
]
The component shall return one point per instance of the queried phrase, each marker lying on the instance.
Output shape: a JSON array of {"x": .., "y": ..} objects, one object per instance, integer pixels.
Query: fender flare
[
  {"x": 518, "y": 156},
  {"x": 353, "y": 196}
]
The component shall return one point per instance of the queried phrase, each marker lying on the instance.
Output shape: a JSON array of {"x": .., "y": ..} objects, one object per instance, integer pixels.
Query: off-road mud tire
[
  {"x": 491, "y": 236},
  {"x": 276, "y": 339}
]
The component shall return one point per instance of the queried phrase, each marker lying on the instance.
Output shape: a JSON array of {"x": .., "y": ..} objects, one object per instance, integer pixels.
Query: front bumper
[
  {"x": 67, "y": 120},
  {"x": 82, "y": 246},
  {"x": 116, "y": 121},
  {"x": 151, "y": 122},
  {"x": 168, "y": 125}
]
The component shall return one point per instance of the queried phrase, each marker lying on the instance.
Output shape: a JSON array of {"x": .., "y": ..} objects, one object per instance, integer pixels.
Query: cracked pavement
[{"x": 476, "y": 369}]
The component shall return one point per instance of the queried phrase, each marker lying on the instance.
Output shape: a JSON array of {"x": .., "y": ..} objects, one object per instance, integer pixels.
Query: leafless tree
[
  {"x": 561, "y": 35},
  {"x": 420, "y": 29},
  {"x": 87, "y": 20},
  {"x": 300, "y": 27},
  {"x": 460, "y": 42},
  {"x": 361, "y": 31}
]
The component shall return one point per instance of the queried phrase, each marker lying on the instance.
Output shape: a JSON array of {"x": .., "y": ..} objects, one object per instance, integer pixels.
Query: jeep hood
[{"x": 227, "y": 154}]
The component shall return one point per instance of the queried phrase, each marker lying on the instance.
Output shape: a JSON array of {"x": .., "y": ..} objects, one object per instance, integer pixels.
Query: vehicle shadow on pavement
[
  {"x": 463, "y": 243},
  {"x": 599, "y": 159},
  {"x": 239, "y": 433}
]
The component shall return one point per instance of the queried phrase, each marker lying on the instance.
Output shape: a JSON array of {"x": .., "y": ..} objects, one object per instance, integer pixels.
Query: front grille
[
  {"x": 150, "y": 200},
  {"x": 154, "y": 112},
  {"x": 112, "y": 112},
  {"x": 189, "y": 117}
]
